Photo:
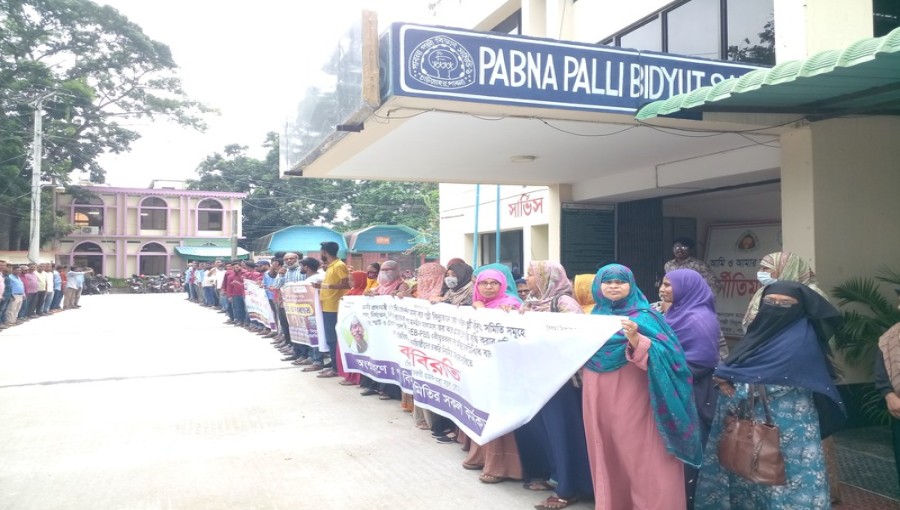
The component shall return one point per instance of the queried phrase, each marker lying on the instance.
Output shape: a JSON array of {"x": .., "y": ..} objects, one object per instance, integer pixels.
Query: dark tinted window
[
  {"x": 751, "y": 31},
  {"x": 645, "y": 37},
  {"x": 887, "y": 16}
]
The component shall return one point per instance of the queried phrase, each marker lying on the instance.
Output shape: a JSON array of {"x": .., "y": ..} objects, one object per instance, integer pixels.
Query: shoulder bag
[{"x": 750, "y": 447}]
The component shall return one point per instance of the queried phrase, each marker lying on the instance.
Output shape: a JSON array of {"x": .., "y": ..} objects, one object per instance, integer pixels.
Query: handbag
[{"x": 750, "y": 448}]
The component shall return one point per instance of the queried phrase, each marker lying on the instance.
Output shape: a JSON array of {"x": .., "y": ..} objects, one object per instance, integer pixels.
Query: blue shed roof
[
  {"x": 382, "y": 239},
  {"x": 305, "y": 239}
]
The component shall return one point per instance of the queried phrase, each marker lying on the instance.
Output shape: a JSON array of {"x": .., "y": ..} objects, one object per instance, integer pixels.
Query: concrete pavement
[{"x": 149, "y": 402}]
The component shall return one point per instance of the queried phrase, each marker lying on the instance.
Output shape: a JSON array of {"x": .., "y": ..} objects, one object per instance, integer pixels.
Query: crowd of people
[
  {"x": 638, "y": 426},
  {"x": 32, "y": 291}
]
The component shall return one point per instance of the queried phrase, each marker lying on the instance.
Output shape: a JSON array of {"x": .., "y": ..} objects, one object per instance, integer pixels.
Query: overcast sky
[{"x": 247, "y": 59}]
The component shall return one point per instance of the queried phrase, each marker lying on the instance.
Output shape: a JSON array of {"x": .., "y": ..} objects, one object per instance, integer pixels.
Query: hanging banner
[
  {"x": 258, "y": 307},
  {"x": 733, "y": 252},
  {"x": 304, "y": 315},
  {"x": 489, "y": 371}
]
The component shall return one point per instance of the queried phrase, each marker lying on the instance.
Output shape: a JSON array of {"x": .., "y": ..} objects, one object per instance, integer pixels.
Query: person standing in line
[
  {"x": 17, "y": 296},
  {"x": 692, "y": 315},
  {"x": 290, "y": 272},
  {"x": 335, "y": 284},
  {"x": 5, "y": 293},
  {"x": 79, "y": 284},
  {"x": 683, "y": 249},
  {"x": 57, "y": 289},
  {"x": 30, "y": 279},
  {"x": 640, "y": 420},
  {"x": 887, "y": 381},
  {"x": 45, "y": 288}
]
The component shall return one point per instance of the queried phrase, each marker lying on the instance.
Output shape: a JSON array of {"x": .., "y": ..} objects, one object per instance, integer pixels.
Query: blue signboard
[{"x": 449, "y": 63}]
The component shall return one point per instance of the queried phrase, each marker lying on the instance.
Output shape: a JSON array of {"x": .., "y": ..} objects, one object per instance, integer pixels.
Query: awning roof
[
  {"x": 863, "y": 78},
  {"x": 210, "y": 252}
]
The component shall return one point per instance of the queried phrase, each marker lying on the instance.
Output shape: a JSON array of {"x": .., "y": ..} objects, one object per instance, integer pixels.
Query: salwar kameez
[{"x": 794, "y": 412}]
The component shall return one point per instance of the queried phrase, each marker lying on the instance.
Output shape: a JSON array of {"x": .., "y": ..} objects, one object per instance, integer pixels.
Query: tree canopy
[
  {"x": 273, "y": 203},
  {"x": 95, "y": 68}
]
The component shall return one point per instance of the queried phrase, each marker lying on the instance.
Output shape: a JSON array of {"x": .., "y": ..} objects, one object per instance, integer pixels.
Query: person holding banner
[
  {"x": 389, "y": 284},
  {"x": 498, "y": 459},
  {"x": 332, "y": 288},
  {"x": 552, "y": 444},
  {"x": 458, "y": 285},
  {"x": 429, "y": 280},
  {"x": 357, "y": 287},
  {"x": 510, "y": 289},
  {"x": 639, "y": 416}
]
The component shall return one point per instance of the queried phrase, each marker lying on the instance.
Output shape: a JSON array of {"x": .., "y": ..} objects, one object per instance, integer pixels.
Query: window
[
  {"x": 741, "y": 30},
  {"x": 88, "y": 255},
  {"x": 209, "y": 215},
  {"x": 152, "y": 259},
  {"x": 87, "y": 212},
  {"x": 154, "y": 213},
  {"x": 511, "y": 25},
  {"x": 887, "y": 16},
  {"x": 693, "y": 29}
]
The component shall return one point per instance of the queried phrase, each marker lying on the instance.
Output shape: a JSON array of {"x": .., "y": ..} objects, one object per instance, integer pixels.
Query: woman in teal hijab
[
  {"x": 639, "y": 416},
  {"x": 510, "y": 281}
]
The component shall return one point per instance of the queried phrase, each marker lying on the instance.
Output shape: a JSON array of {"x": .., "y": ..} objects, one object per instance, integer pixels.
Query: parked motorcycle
[{"x": 136, "y": 284}]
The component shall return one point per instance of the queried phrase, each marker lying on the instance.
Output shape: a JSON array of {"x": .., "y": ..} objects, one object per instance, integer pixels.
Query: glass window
[
  {"x": 887, "y": 16},
  {"x": 751, "y": 31},
  {"x": 88, "y": 212},
  {"x": 154, "y": 214},
  {"x": 88, "y": 248},
  {"x": 209, "y": 215},
  {"x": 153, "y": 248},
  {"x": 511, "y": 25},
  {"x": 153, "y": 264},
  {"x": 645, "y": 37},
  {"x": 693, "y": 29}
]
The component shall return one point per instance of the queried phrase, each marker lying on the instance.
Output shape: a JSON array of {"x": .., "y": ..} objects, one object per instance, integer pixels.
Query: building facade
[{"x": 124, "y": 231}]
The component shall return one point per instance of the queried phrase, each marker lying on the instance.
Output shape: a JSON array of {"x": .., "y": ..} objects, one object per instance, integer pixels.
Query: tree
[
  {"x": 102, "y": 68},
  {"x": 273, "y": 203}
]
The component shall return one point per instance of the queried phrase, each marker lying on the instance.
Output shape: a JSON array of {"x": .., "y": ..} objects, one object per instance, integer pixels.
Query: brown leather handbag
[{"x": 750, "y": 448}]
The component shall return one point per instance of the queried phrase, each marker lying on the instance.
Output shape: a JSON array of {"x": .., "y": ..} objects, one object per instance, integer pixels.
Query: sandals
[
  {"x": 347, "y": 383},
  {"x": 555, "y": 503},
  {"x": 315, "y": 367},
  {"x": 367, "y": 392},
  {"x": 539, "y": 485},
  {"x": 472, "y": 467},
  {"x": 384, "y": 396},
  {"x": 485, "y": 478}
]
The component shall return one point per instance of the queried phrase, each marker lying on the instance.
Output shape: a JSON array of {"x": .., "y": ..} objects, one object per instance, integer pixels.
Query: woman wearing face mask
[
  {"x": 785, "y": 350},
  {"x": 372, "y": 275},
  {"x": 781, "y": 266},
  {"x": 429, "y": 280},
  {"x": 357, "y": 287}
]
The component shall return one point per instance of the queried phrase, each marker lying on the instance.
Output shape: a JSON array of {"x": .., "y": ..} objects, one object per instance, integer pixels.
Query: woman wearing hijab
[
  {"x": 552, "y": 444},
  {"x": 372, "y": 271},
  {"x": 510, "y": 289},
  {"x": 429, "y": 280},
  {"x": 357, "y": 287},
  {"x": 389, "y": 284},
  {"x": 781, "y": 266},
  {"x": 583, "y": 295},
  {"x": 640, "y": 421},
  {"x": 785, "y": 349},
  {"x": 692, "y": 316},
  {"x": 498, "y": 459},
  {"x": 458, "y": 285},
  {"x": 887, "y": 381}
]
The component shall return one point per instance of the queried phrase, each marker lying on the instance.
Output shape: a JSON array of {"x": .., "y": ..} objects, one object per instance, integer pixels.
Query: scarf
[
  {"x": 789, "y": 347},
  {"x": 501, "y": 299},
  {"x": 786, "y": 267},
  {"x": 388, "y": 279},
  {"x": 462, "y": 294},
  {"x": 357, "y": 283},
  {"x": 429, "y": 280},
  {"x": 552, "y": 283},
  {"x": 583, "y": 295},
  {"x": 511, "y": 290},
  {"x": 889, "y": 343},
  {"x": 693, "y": 317},
  {"x": 671, "y": 392}
]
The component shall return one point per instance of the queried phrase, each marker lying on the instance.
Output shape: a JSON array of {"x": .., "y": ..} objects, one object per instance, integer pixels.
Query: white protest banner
[
  {"x": 257, "y": 303},
  {"x": 304, "y": 315},
  {"x": 733, "y": 252},
  {"x": 489, "y": 371}
]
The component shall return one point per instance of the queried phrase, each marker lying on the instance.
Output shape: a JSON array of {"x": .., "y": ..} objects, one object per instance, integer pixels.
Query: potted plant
[{"x": 869, "y": 316}]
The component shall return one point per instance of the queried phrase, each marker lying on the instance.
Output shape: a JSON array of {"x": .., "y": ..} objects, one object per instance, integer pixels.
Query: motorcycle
[
  {"x": 102, "y": 284},
  {"x": 136, "y": 284}
]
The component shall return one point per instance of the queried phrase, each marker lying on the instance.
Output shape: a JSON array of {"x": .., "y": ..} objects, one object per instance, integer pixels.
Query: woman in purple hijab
[{"x": 692, "y": 315}]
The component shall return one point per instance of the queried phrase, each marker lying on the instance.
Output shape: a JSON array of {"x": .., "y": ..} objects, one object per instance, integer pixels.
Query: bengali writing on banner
[
  {"x": 733, "y": 252},
  {"x": 258, "y": 307},
  {"x": 304, "y": 315},
  {"x": 489, "y": 371}
]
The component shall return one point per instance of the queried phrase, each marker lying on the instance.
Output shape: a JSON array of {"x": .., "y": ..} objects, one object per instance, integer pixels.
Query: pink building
[{"x": 125, "y": 231}]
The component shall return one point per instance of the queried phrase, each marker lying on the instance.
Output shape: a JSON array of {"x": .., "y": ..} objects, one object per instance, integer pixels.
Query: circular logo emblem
[{"x": 442, "y": 63}]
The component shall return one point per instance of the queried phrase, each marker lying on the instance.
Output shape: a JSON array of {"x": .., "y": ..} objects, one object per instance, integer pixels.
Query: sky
[{"x": 249, "y": 60}]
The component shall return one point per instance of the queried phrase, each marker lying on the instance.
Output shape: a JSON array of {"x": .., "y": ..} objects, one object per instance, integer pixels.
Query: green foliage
[
  {"x": 101, "y": 69},
  {"x": 273, "y": 203},
  {"x": 869, "y": 317}
]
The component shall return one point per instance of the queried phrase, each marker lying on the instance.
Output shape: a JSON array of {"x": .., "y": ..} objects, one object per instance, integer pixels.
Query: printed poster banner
[
  {"x": 733, "y": 252},
  {"x": 304, "y": 315},
  {"x": 489, "y": 371},
  {"x": 257, "y": 303}
]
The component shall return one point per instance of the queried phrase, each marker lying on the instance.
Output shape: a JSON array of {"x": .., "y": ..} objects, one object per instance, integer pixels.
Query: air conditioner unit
[{"x": 90, "y": 230}]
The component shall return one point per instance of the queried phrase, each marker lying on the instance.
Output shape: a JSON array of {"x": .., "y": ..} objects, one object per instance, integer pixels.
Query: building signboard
[{"x": 463, "y": 65}]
